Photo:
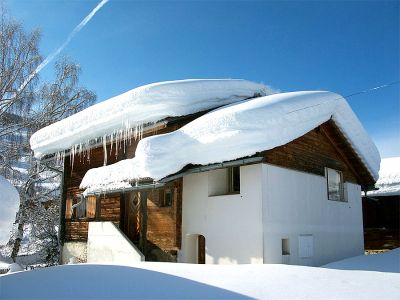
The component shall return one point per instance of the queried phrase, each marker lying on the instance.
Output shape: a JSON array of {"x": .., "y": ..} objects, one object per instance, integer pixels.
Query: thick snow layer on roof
[
  {"x": 149, "y": 103},
  {"x": 190, "y": 281},
  {"x": 389, "y": 178},
  {"x": 9, "y": 204},
  {"x": 237, "y": 131}
]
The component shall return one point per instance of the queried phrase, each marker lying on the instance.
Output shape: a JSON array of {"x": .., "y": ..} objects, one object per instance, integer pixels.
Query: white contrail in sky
[{"x": 66, "y": 42}]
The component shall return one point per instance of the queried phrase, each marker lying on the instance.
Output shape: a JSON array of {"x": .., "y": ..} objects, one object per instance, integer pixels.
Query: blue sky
[{"x": 340, "y": 46}]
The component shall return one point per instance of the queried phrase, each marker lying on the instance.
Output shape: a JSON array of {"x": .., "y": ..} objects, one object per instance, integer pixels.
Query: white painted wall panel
[
  {"x": 295, "y": 203},
  {"x": 231, "y": 224},
  {"x": 107, "y": 244}
]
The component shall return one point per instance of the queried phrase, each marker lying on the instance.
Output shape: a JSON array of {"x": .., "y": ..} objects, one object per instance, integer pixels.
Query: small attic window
[
  {"x": 224, "y": 181},
  {"x": 334, "y": 181}
]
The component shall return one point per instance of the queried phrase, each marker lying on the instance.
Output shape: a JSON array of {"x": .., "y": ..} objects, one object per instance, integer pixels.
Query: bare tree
[
  {"x": 40, "y": 192},
  {"x": 19, "y": 58},
  {"x": 63, "y": 97},
  {"x": 26, "y": 105}
]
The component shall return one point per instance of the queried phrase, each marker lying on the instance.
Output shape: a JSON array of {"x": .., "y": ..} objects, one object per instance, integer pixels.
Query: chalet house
[{"x": 212, "y": 171}]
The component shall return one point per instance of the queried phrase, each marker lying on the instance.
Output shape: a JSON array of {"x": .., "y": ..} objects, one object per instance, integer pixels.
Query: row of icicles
[{"x": 118, "y": 139}]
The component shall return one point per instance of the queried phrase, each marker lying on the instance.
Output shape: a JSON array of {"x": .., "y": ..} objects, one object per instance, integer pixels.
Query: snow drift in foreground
[
  {"x": 237, "y": 131},
  {"x": 190, "y": 281},
  {"x": 9, "y": 204},
  {"x": 383, "y": 262},
  {"x": 389, "y": 178},
  {"x": 145, "y": 104}
]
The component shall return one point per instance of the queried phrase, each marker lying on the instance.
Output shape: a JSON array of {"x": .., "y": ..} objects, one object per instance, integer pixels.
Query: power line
[
  {"x": 350, "y": 95},
  {"x": 373, "y": 89}
]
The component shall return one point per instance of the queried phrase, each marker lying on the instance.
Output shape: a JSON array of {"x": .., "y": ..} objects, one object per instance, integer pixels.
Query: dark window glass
[{"x": 335, "y": 185}]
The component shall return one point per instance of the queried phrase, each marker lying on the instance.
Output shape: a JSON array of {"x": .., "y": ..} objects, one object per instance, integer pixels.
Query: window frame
[
  {"x": 230, "y": 188},
  {"x": 342, "y": 197},
  {"x": 81, "y": 212},
  {"x": 162, "y": 200},
  {"x": 224, "y": 181}
]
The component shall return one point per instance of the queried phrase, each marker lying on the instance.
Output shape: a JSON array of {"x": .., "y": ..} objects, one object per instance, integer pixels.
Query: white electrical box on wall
[{"x": 306, "y": 246}]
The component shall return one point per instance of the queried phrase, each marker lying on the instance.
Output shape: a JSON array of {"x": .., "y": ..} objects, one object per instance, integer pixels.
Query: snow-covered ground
[
  {"x": 384, "y": 262},
  {"x": 244, "y": 128},
  {"x": 9, "y": 204},
  {"x": 187, "y": 281},
  {"x": 389, "y": 178}
]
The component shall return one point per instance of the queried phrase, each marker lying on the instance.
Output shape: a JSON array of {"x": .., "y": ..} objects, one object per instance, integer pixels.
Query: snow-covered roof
[
  {"x": 389, "y": 178},
  {"x": 142, "y": 105},
  {"x": 9, "y": 204},
  {"x": 236, "y": 131}
]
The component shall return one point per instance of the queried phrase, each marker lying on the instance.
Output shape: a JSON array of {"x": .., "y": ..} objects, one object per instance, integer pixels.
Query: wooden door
[{"x": 201, "y": 249}]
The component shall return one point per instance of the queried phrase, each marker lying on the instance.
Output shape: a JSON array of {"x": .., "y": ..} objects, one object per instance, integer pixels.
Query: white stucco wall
[
  {"x": 231, "y": 224},
  {"x": 75, "y": 250},
  {"x": 107, "y": 244},
  {"x": 295, "y": 206}
]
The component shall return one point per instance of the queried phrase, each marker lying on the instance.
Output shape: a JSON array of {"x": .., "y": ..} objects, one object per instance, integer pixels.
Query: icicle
[
  {"x": 111, "y": 142},
  {"x": 80, "y": 152},
  {"x": 58, "y": 158},
  {"x": 130, "y": 135},
  {"x": 84, "y": 152},
  {"x": 140, "y": 131},
  {"x": 105, "y": 149},
  {"x": 73, "y": 148},
  {"x": 136, "y": 132},
  {"x": 121, "y": 138},
  {"x": 125, "y": 138}
]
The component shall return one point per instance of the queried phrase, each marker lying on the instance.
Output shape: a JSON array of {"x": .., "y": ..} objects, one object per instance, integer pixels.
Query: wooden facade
[
  {"x": 106, "y": 207},
  {"x": 322, "y": 147},
  {"x": 381, "y": 222},
  {"x": 157, "y": 214},
  {"x": 162, "y": 220}
]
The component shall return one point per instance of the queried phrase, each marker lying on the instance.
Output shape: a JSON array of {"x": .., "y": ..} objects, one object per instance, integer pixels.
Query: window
[
  {"x": 82, "y": 208},
  {"x": 233, "y": 180},
  {"x": 334, "y": 185},
  {"x": 285, "y": 247},
  {"x": 224, "y": 181},
  {"x": 166, "y": 197}
]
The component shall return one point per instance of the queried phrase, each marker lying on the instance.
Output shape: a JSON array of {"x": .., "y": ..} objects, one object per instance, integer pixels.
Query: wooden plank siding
[
  {"x": 318, "y": 149},
  {"x": 178, "y": 184},
  {"x": 161, "y": 225},
  {"x": 76, "y": 230},
  {"x": 164, "y": 222},
  {"x": 111, "y": 206}
]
